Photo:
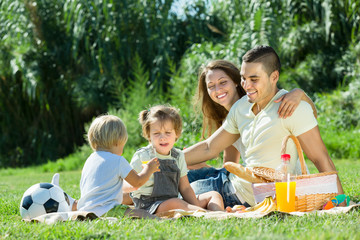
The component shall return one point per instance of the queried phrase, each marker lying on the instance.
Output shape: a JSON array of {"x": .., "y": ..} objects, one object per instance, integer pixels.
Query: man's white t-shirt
[
  {"x": 143, "y": 155},
  {"x": 102, "y": 182},
  {"x": 262, "y": 136}
]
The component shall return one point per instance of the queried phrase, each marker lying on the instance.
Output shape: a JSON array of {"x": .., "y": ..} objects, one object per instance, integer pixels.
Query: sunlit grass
[{"x": 14, "y": 182}]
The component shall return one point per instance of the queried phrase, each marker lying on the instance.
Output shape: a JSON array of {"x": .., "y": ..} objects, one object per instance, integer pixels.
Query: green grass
[{"x": 13, "y": 183}]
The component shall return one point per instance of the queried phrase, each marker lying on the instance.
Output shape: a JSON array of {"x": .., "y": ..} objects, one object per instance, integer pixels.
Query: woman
[{"x": 218, "y": 89}]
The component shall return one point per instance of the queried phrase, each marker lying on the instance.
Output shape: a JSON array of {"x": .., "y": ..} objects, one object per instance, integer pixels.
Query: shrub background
[{"x": 63, "y": 62}]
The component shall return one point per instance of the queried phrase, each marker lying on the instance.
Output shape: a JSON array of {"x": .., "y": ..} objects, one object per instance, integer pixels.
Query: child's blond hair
[
  {"x": 106, "y": 131},
  {"x": 160, "y": 113}
]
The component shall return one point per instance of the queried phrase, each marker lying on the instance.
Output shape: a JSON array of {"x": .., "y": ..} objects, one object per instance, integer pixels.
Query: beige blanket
[
  {"x": 224, "y": 215},
  {"x": 51, "y": 218},
  {"x": 218, "y": 215}
]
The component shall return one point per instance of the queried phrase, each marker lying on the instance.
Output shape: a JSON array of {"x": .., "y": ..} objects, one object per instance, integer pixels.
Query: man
[{"x": 255, "y": 120}]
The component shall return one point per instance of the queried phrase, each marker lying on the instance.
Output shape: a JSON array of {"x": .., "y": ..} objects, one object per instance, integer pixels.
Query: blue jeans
[{"x": 211, "y": 179}]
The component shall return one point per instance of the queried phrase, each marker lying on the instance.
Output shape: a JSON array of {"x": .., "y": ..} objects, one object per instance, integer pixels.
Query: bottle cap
[{"x": 285, "y": 157}]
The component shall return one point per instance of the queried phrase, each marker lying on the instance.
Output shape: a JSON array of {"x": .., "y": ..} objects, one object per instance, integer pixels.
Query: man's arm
[
  {"x": 307, "y": 99},
  {"x": 314, "y": 148},
  {"x": 197, "y": 166},
  {"x": 209, "y": 148},
  {"x": 231, "y": 154}
]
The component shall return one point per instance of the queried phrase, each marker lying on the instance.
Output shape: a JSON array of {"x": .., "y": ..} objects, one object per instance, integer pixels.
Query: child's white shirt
[{"x": 101, "y": 183}]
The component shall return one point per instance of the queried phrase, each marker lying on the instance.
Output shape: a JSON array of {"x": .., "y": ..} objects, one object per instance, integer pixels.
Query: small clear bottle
[
  {"x": 284, "y": 168},
  {"x": 285, "y": 186}
]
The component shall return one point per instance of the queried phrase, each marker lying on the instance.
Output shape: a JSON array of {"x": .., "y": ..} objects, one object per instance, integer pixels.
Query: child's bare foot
[
  {"x": 229, "y": 209},
  {"x": 236, "y": 209},
  {"x": 74, "y": 206},
  {"x": 55, "y": 179}
]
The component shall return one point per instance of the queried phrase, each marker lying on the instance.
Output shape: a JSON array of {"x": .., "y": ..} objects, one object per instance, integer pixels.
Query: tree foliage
[
  {"x": 64, "y": 62},
  {"x": 62, "y": 59}
]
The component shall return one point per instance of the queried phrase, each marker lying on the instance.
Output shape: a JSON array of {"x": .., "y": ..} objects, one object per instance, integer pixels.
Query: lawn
[{"x": 13, "y": 183}]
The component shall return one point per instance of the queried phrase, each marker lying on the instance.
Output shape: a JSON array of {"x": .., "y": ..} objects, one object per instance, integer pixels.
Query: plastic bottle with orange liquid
[{"x": 285, "y": 188}]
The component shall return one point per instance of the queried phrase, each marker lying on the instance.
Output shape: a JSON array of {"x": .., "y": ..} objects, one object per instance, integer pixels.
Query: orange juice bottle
[{"x": 285, "y": 187}]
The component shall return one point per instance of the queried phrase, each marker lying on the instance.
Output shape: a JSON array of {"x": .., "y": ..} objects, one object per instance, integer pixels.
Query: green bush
[
  {"x": 339, "y": 111},
  {"x": 74, "y": 161},
  {"x": 65, "y": 62},
  {"x": 339, "y": 121},
  {"x": 61, "y": 59}
]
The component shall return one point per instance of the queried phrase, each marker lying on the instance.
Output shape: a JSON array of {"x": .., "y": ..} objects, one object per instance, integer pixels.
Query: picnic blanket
[
  {"x": 225, "y": 215},
  {"x": 52, "y": 218}
]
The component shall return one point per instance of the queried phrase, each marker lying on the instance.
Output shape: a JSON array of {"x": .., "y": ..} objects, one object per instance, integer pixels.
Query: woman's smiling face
[{"x": 221, "y": 88}]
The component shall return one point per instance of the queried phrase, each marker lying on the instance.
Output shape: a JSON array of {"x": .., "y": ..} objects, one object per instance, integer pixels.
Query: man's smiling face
[{"x": 259, "y": 86}]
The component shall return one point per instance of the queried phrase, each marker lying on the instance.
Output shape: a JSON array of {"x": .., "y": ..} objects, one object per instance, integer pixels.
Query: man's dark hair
[{"x": 265, "y": 55}]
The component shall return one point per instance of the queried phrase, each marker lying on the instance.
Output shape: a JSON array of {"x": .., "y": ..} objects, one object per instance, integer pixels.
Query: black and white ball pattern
[{"x": 43, "y": 198}]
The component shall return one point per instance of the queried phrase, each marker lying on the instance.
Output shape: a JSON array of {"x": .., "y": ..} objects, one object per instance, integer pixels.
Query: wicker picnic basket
[{"x": 304, "y": 203}]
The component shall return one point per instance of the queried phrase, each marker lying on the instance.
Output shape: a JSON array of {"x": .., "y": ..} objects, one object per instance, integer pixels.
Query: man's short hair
[{"x": 265, "y": 55}]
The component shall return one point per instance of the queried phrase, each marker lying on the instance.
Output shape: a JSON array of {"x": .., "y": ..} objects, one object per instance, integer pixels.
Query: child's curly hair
[{"x": 160, "y": 113}]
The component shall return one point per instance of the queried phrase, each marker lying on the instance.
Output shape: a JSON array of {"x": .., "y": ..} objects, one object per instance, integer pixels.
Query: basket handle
[{"x": 299, "y": 150}]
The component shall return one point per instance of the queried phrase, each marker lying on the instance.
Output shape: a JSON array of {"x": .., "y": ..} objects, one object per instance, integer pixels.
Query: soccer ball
[{"x": 43, "y": 198}]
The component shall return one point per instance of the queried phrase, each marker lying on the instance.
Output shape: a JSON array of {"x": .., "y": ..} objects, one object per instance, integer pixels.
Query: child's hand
[{"x": 153, "y": 165}]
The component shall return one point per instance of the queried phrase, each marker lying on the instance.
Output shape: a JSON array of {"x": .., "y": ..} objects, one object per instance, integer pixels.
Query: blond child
[
  {"x": 102, "y": 176},
  {"x": 161, "y": 126}
]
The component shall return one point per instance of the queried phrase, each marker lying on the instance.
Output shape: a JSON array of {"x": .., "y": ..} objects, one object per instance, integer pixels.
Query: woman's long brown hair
[{"x": 213, "y": 113}]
